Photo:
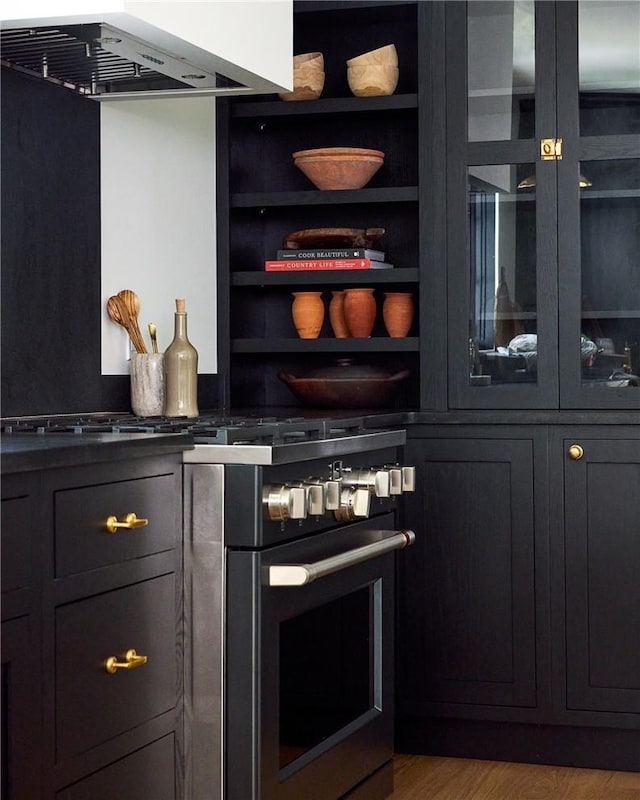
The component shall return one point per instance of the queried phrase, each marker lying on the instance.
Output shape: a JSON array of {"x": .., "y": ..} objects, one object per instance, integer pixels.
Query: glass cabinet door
[
  {"x": 543, "y": 195},
  {"x": 506, "y": 357},
  {"x": 599, "y": 208}
]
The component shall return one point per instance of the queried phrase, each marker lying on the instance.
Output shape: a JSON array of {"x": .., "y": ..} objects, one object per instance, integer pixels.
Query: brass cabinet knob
[
  {"x": 131, "y": 661},
  {"x": 575, "y": 452},
  {"x": 130, "y": 522}
]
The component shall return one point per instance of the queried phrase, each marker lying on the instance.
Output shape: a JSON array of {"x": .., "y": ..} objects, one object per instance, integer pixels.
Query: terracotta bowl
[
  {"x": 339, "y": 167},
  {"x": 372, "y": 80},
  {"x": 383, "y": 55}
]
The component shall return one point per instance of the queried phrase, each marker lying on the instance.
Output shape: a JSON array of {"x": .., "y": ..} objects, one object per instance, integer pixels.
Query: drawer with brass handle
[
  {"x": 115, "y": 663},
  {"x": 108, "y": 523}
]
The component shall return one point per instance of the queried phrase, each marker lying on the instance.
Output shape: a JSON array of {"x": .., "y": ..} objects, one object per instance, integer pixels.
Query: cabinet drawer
[
  {"x": 92, "y": 705},
  {"x": 146, "y": 774},
  {"x": 82, "y": 541},
  {"x": 17, "y": 537}
]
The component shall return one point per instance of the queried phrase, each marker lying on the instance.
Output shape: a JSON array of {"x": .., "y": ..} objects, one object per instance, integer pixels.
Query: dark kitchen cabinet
[
  {"x": 91, "y": 633},
  {"x": 21, "y": 696},
  {"x": 518, "y": 610},
  {"x": 268, "y": 198},
  {"x": 597, "y": 554},
  {"x": 543, "y": 194},
  {"x": 467, "y": 608}
]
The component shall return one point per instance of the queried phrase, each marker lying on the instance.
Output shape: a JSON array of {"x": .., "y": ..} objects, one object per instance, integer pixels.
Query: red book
[{"x": 308, "y": 264}]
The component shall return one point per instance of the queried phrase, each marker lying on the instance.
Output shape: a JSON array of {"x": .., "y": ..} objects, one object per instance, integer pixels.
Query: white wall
[{"x": 158, "y": 220}]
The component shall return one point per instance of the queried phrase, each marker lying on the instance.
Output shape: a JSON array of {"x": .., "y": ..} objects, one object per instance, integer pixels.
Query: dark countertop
[{"x": 27, "y": 452}]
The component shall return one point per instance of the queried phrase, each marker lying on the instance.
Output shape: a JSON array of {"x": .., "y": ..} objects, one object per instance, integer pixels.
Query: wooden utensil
[
  {"x": 132, "y": 303},
  {"x": 152, "y": 335},
  {"x": 118, "y": 312}
]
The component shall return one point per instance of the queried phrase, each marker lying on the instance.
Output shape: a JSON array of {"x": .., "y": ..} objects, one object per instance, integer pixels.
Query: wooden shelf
[
  {"x": 325, "y": 277},
  {"x": 329, "y": 105},
  {"x": 318, "y": 197},
  {"x": 328, "y": 345}
]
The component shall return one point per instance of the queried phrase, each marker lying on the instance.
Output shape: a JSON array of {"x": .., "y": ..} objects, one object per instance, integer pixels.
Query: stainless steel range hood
[{"x": 130, "y": 50}]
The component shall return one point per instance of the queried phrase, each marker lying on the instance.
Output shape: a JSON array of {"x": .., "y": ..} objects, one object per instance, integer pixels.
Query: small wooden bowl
[
  {"x": 308, "y": 77},
  {"x": 372, "y": 80},
  {"x": 339, "y": 167},
  {"x": 310, "y": 60},
  {"x": 307, "y": 85},
  {"x": 383, "y": 55}
]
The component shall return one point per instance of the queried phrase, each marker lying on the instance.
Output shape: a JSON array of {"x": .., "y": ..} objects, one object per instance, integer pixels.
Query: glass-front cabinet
[{"x": 543, "y": 161}]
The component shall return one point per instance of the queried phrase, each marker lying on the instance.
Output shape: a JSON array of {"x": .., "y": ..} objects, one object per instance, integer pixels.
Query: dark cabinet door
[
  {"x": 21, "y": 752},
  {"x": 467, "y": 589},
  {"x": 602, "y": 565}
]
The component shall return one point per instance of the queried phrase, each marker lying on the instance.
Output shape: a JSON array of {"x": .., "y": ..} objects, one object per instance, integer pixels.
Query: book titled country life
[{"x": 309, "y": 264}]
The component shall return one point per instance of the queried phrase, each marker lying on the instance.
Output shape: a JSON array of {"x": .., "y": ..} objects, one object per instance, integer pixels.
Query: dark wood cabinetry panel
[
  {"x": 20, "y": 733},
  {"x": 468, "y": 592},
  {"x": 601, "y": 553},
  {"x": 147, "y": 773}
]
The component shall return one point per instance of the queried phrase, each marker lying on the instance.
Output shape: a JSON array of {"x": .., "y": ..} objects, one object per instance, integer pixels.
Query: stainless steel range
[{"x": 290, "y": 533}]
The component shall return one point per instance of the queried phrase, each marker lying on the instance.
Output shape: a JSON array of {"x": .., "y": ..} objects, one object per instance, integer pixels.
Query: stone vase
[
  {"x": 307, "y": 311},
  {"x": 336, "y": 315},
  {"x": 147, "y": 384},
  {"x": 359, "y": 312},
  {"x": 397, "y": 313}
]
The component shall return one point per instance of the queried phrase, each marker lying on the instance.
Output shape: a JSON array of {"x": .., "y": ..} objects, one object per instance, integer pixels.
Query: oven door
[{"x": 309, "y": 663}]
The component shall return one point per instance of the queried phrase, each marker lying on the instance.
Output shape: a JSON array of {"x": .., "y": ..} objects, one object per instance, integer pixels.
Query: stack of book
[{"x": 327, "y": 258}]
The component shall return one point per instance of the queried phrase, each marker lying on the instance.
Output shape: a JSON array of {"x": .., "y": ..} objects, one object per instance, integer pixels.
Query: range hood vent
[
  {"x": 98, "y": 60},
  {"x": 163, "y": 49}
]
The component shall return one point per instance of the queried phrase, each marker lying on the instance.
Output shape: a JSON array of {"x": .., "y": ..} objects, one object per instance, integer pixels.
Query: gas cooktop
[{"x": 210, "y": 428}]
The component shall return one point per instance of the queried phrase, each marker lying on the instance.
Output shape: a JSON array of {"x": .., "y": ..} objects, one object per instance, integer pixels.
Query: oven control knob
[
  {"x": 395, "y": 480},
  {"x": 299, "y": 502},
  {"x": 316, "y": 495},
  {"x": 376, "y": 481},
  {"x": 354, "y": 503},
  {"x": 333, "y": 495},
  {"x": 281, "y": 502},
  {"x": 408, "y": 479}
]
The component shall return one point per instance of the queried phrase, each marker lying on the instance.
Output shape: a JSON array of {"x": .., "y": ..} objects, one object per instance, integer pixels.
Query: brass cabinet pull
[
  {"x": 130, "y": 522},
  {"x": 575, "y": 452},
  {"x": 131, "y": 661}
]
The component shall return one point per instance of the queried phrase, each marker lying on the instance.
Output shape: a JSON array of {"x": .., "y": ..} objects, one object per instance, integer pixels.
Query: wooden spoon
[
  {"x": 118, "y": 312},
  {"x": 132, "y": 302},
  {"x": 153, "y": 337}
]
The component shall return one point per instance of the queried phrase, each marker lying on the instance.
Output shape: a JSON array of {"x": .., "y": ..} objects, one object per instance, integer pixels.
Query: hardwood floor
[{"x": 434, "y": 778}]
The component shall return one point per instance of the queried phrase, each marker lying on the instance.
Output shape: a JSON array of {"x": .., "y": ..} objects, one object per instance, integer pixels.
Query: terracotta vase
[
  {"x": 336, "y": 316},
  {"x": 397, "y": 313},
  {"x": 359, "y": 312},
  {"x": 308, "y": 314}
]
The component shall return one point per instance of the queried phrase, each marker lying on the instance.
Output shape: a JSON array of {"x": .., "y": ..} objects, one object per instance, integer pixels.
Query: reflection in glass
[
  {"x": 502, "y": 262},
  {"x": 610, "y": 263},
  {"x": 609, "y": 66},
  {"x": 501, "y": 70}
]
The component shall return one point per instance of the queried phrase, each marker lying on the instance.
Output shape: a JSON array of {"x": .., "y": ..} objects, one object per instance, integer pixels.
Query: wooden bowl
[
  {"x": 372, "y": 80},
  {"x": 309, "y": 60},
  {"x": 383, "y": 55},
  {"x": 307, "y": 85},
  {"x": 339, "y": 167},
  {"x": 308, "y": 77}
]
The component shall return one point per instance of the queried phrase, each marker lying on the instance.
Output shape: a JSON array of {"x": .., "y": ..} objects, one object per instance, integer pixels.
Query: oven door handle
[{"x": 302, "y": 574}]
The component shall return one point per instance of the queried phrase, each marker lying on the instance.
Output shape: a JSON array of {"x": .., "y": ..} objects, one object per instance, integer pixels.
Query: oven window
[{"x": 326, "y": 671}]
